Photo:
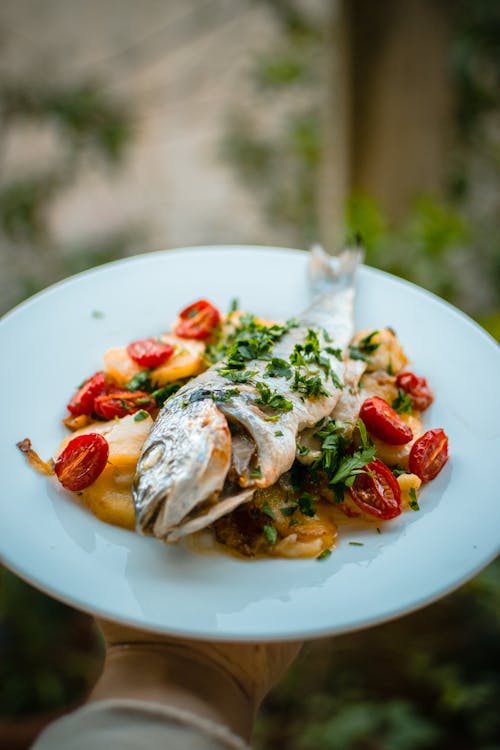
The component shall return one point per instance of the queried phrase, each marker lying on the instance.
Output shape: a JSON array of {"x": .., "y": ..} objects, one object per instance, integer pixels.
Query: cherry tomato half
[
  {"x": 82, "y": 461},
  {"x": 429, "y": 454},
  {"x": 120, "y": 403},
  {"x": 384, "y": 422},
  {"x": 82, "y": 401},
  {"x": 417, "y": 389},
  {"x": 150, "y": 353},
  {"x": 198, "y": 321},
  {"x": 377, "y": 491}
]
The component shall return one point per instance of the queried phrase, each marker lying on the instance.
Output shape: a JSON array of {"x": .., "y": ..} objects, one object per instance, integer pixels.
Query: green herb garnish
[
  {"x": 323, "y": 555},
  {"x": 275, "y": 400},
  {"x": 237, "y": 376},
  {"x": 224, "y": 396},
  {"x": 271, "y": 533},
  {"x": 279, "y": 368},
  {"x": 266, "y": 508},
  {"x": 413, "y": 502},
  {"x": 162, "y": 394},
  {"x": 307, "y": 504},
  {"x": 402, "y": 403},
  {"x": 256, "y": 473},
  {"x": 364, "y": 347},
  {"x": 311, "y": 386},
  {"x": 139, "y": 416},
  {"x": 140, "y": 382}
]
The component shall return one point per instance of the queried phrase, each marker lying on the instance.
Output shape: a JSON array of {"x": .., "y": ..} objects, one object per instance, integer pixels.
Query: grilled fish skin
[{"x": 213, "y": 443}]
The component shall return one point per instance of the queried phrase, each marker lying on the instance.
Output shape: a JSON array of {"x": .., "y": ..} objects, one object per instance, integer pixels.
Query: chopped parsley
[
  {"x": 279, "y": 368},
  {"x": 271, "y": 533},
  {"x": 323, "y": 555},
  {"x": 140, "y": 382},
  {"x": 237, "y": 376},
  {"x": 337, "y": 353},
  {"x": 289, "y": 510},
  {"x": 307, "y": 504},
  {"x": 311, "y": 386},
  {"x": 139, "y": 416},
  {"x": 303, "y": 450},
  {"x": 339, "y": 459},
  {"x": 98, "y": 314},
  {"x": 233, "y": 305},
  {"x": 402, "y": 403},
  {"x": 266, "y": 508},
  {"x": 252, "y": 340},
  {"x": 364, "y": 347},
  {"x": 223, "y": 396},
  {"x": 162, "y": 394},
  {"x": 413, "y": 501},
  {"x": 275, "y": 400},
  {"x": 278, "y": 433},
  {"x": 398, "y": 470},
  {"x": 256, "y": 473}
]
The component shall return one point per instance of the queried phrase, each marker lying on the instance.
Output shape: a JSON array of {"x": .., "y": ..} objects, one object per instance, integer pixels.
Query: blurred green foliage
[
  {"x": 448, "y": 244},
  {"x": 50, "y": 655},
  {"x": 428, "y": 681}
]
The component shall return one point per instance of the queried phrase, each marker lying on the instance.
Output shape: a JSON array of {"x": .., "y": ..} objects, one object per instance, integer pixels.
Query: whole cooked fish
[{"x": 233, "y": 429}]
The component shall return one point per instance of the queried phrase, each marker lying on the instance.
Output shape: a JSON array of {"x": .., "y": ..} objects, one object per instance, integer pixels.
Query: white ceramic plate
[{"x": 51, "y": 342}]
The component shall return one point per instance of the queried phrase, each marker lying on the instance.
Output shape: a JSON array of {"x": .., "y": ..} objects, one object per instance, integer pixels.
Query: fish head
[{"x": 184, "y": 462}]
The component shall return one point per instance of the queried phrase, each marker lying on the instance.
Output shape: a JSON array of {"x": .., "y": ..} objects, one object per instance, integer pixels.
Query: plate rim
[{"x": 311, "y": 633}]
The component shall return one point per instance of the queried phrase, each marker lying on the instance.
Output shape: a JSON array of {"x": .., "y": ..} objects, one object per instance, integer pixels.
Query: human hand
[{"x": 225, "y": 682}]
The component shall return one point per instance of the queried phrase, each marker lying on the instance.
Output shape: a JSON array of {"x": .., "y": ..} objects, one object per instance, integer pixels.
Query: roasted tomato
[
  {"x": 83, "y": 400},
  {"x": 150, "y": 353},
  {"x": 417, "y": 389},
  {"x": 119, "y": 403},
  {"x": 429, "y": 454},
  {"x": 82, "y": 461},
  {"x": 197, "y": 321},
  {"x": 384, "y": 422},
  {"x": 376, "y": 491}
]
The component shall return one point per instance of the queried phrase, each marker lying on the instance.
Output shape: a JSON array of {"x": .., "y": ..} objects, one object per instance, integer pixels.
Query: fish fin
[
  {"x": 326, "y": 272},
  {"x": 206, "y": 518}
]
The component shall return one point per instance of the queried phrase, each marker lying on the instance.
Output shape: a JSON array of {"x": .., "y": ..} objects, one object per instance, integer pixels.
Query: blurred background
[{"x": 130, "y": 126}]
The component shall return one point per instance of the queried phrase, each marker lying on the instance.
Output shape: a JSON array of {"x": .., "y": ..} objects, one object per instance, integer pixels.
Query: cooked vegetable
[
  {"x": 429, "y": 454},
  {"x": 82, "y": 403},
  {"x": 417, "y": 389},
  {"x": 150, "y": 353},
  {"x": 119, "y": 403},
  {"x": 376, "y": 491},
  {"x": 82, "y": 461},
  {"x": 198, "y": 321},
  {"x": 384, "y": 422}
]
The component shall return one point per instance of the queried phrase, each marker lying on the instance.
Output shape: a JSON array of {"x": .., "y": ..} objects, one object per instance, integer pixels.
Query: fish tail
[{"x": 328, "y": 273}]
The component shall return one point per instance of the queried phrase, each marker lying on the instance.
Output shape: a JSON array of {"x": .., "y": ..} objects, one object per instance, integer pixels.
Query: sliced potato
[
  {"x": 388, "y": 354},
  {"x": 398, "y": 455},
  {"x": 407, "y": 483},
  {"x": 109, "y": 497},
  {"x": 186, "y": 361}
]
